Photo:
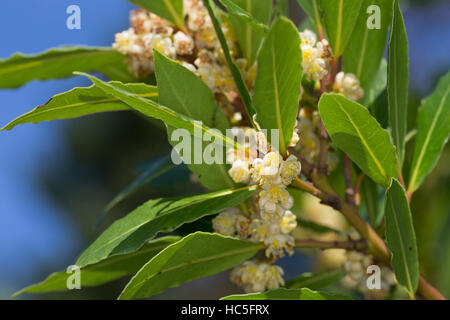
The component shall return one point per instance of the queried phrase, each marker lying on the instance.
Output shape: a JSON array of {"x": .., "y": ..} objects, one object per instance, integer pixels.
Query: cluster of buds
[
  {"x": 348, "y": 85},
  {"x": 196, "y": 46},
  {"x": 356, "y": 268},
  {"x": 270, "y": 220},
  {"x": 309, "y": 143},
  {"x": 316, "y": 55},
  {"x": 257, "y": 276}
]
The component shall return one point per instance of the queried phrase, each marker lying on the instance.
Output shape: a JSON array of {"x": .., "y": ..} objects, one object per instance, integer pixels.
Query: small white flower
[
  {"x": 184, "y": 44},
  {"x": 240, "y": 172},
  {"x": 278, "y": 244},
  {"x": 289, "y": 170},
  {"x": 225, "y": 223},
  {"x": 288, "y": 222},
  {"x": 254, "y": 276},
  {"x": 308, "y": 37},
  {"x": 348, "y": 85}
]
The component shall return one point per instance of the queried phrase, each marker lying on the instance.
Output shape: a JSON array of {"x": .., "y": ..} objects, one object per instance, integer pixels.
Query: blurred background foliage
[{"x": 99, "y": 155}]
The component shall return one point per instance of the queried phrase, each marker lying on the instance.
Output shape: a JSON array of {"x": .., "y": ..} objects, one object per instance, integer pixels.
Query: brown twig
[
  {"x": 376, "y": 245},
  {"x": 350, "y": 190},
  {"x": 322, "y": 160}
]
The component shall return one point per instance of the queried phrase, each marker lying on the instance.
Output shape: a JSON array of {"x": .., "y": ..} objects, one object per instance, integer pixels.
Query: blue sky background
[{"x": 34, "y": 232}]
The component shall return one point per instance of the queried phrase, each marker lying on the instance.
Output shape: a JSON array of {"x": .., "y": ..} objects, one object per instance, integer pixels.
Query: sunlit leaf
[
  {"x": 160, "y": 215},
  {"x": 360, "y": 136},
  {"x": 196, "y": 256},
  {"x": 80, "y": 102},
  {"x": 60, "y": 63},
  {"x": 340, "y": 18},
  {"x": 171, "y": 10},
  {"x": 104, "y": 271},
  {"x": 277, "y": 85},
  {"x": 401, "y": 238},
  {"x": 398, "y": 81},
  {"x": 433, "y": 132}
]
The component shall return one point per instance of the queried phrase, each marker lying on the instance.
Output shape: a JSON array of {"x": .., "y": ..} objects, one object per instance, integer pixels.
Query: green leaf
[
  {"x": 365, "y": 49},
  {"x": 433, "y": 132},
  {"x": 401, "y": 238},
  {"x": 196, "y": 256},
  {"x": 398, "y": 81},
  {"x": 340, "y": 18},
  {"x": 105, "y": 271},
  {"x": 249, "y": 19},
  {"x": 237, "y": 76},
  {"x": 80, "y": 102},
  {"x": 316, "y": 281},
  {"x": 376, "y": 87},
  {"x": 152, "y": 109},
  {"x": 155, "y": 169},
  {"x": 171, "y": 10},
  {"x": 277, "y": 85},
  {"x": 160, "y": 215},
  {"x": 360, "y": 136},
  {"x": 280, "y": 8},
  {"x": 288, "y": 294},
  {"x": 187, "y": 94},
  {"x": 311, "y": 8},
  {"x": 58, "y": 63}
]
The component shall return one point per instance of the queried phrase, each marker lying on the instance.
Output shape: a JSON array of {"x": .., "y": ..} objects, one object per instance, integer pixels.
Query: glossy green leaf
[
  {"x": 277, "y": 84},
  {"x": 401, "y": 238},
  {"x": 249, "y": 19},
  {"x": 288, "y": 294},
  {"x": 433, "y": 132},
  {"x": 316, "y": 281},
  {"x": 155, "y": 169},
  {"x": 196, "y": 256},
  {"x": 360, "y": 136},
  {"x": 398, "y": 81},
  {"x": 152, "y": 109},
  {"x": 376, "y": 87},
  {"x": 160, "y": 215},
  {"x": 340, "y": 17},
  {"x": 367, "y": 45},
  {"x": 104, "y": 271},
  {"x": 80, "y": 102},
  {"x": 311, "y": 8},
  {"x": 186, "y": 93},
  {"x": 236, "y": 73},
  {"x": 171, "y": 10},
  {"x": 60, "y": 63}
]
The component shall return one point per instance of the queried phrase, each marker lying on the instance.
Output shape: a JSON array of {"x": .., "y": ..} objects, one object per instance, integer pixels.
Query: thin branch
[
  {"x": 322, "y": 160},
  {"x": 350, "y": 190},
  {"x": 359, "y": 181}
]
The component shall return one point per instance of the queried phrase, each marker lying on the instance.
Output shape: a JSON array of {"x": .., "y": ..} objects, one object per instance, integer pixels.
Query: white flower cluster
[
  {"x": 356, "y": 268},
  {"x": 197, "y": 47},
  {"x": 309, "y": 143},
  {"x": 348, "y": 85},
  {"x": 271, "y": 222},
  {"x": 256, "y": 276},
  {"x": 316, "y": 55},
  {"x": 149, "y": 32}
]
